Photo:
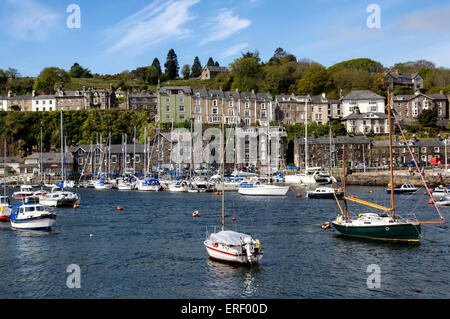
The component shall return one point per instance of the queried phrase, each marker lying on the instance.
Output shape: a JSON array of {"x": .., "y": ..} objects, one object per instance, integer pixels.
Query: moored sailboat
[
  {"x": 379, "y": 226},
  {"x": 228, "y": 245}
]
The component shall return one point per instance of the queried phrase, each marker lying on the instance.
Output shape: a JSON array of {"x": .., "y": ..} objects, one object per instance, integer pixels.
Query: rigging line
[{"x": 416, "y": 164}]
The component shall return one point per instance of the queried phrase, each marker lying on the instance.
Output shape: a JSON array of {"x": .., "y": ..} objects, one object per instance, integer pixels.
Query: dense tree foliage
[
  {"x": 50, "y": 79},
  {"x": 77, "y": 71},
  {"x": 171, "y": 65},
  {"x": 196, "y": 69}
]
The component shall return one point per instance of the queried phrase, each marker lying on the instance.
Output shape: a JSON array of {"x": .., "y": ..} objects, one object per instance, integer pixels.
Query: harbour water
[{"x": 153, "y": 248}]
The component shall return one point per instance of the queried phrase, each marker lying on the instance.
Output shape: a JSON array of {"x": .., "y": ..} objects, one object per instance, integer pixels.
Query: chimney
[
  {"x": 253, "y": 91},
  {"x": 237, "y": 90},
  {"x": 417, "y": 92},
  {"x": 9, "y": 93},
  {"x": 324, "y": 96},
  {"x": 33, "y": 93},
  {"x": 414, "y": 138},
  {"x": 441, "y": 91}
]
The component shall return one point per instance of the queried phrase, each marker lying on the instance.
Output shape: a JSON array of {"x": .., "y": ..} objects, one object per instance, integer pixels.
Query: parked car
[{"x": 412, "y": 163}]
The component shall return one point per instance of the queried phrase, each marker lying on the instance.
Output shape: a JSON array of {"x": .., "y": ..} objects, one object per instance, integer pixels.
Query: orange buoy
[
  {"x": 216, "y": 193},
  {"x": 119, "y": 208},
  {"x": 76, "y": 206},
  {"x": 431, "y": 201},
  {"x": 233, "y": 218},
  {"x": 196, "y": 214},
  {"x": 299, "y": 195}
]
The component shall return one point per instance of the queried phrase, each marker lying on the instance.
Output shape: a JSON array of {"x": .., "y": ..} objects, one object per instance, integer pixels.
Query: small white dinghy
[{"x": 444, "y": 201}]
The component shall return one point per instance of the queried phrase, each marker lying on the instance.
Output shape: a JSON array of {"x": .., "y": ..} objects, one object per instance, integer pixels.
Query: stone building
[
  {"x": 211, "y": 71},
  {"x": 394, "y": 79},
  {"x": 327, "y": 152}
]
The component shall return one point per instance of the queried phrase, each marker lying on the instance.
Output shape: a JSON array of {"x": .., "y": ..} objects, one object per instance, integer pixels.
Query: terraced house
[
  {"x": 408, "y": 107},
  {"x": 174, "y": 103},
  {"x": 85, "y": 99},
  {"x": 291, "y": 109},
  {"x": 206, "y": 106},
  {"x": 13, "y": 102}
]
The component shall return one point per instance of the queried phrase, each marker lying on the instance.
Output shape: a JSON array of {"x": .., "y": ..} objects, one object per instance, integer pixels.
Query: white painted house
[
  {"x": 366, "y": 101},
  {"x": 43, "y": 103}
]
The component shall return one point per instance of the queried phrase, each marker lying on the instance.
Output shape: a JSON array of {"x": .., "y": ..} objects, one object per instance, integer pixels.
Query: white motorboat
[
  {"x": 262, "y": 189},
  {"x": 32, "y": 217},
  {"x": 403, "y": 189},
  {"x": 151, "y": 185},
  {"x": 178, "y": 187},
  {"x": 440, "y": 191},
  {"x": 232, "y": 246},
  {"x": 325, "y": 193},
  {"x": 5, "y": 208},
  {"x": 25, "y": 190},
  {"x": 125, "y": 185},
  {"x": 444, "y": 201},
  {"x": 102, "y": 184},
  {"x": 58, "y": 197}
]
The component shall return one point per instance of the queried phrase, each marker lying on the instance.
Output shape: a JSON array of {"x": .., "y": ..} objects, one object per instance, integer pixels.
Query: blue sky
[{"x": 121, "y": 35}]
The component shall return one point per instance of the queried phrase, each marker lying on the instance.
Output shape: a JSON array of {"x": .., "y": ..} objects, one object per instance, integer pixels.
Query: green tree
[
  {"x": 171, "y": 65},
  {"x": 157, "y": 65},
  {"x": 50, "y": 79},
  {"x": 152, "y": 75},
  {"x": 427, "y": 118},
  {"x": 186, "y": 71},
  {"x": 210, "y": 62},
  {"x": 363, "y": 64},
  {"x": 77, "y": 71},
  {"x": 314, "y": 81},
  {"x": 196, "y": 69}
]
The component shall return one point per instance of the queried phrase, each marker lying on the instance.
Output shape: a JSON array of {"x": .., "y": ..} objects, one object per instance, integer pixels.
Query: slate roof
[
  {"x": 335, "y": 140},
  {"x": 362, "y": 95},
  {"x": 357, "y": 116}
]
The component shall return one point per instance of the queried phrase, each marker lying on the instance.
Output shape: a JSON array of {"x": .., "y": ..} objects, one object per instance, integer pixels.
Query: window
[
  {"x": 181, "y": 108},
  {"x": 167, "y": 108},
  {"x": 128, "y": 158},
  {"x": 263, "y": 106},
  {"x": 247, "y": 122},
  {"x": 181, "y": 100},
  {"x": 231, "y": 112},
  {"x": 37, "y": 102},
  {"x": 214, "y": 102},
  {"x": 215, "y": 110},
  {"x": 113, "y": 159},
  {"x": 230, "y": 104},
  {"x": 436, "y": 149},
  {"x": 198, "y": 109},
  {"x": 263, "y": 114},
  {"x": 246, "y": 112},
  {"x": 167, "y": 99},
  {"x": 181, "y": 117},
  {"x": 288, "y": 115},
  {"x": 423, "y": 149},
  {"x": 247, "y": 105},
  {"x": 80, "y": 161},
  {"x": 137, "y": 158},
  {"x": 197, "y": 101}
]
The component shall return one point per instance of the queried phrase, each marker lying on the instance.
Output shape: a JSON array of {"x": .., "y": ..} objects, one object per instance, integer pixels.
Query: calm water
[{"x": 153, "y": 248}]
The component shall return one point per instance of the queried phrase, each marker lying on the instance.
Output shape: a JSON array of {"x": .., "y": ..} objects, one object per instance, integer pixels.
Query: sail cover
[{"x": 229, "y": 237}]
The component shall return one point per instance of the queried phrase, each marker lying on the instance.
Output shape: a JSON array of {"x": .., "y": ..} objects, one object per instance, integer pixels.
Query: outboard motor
[{"x": 248, "y": 248}]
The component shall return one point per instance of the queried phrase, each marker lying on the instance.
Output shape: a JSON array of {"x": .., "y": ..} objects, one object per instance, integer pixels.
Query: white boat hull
[
  {"x": 264, "y": 190},
  {"x": 34, "y": 224},
  {"x": 224, "y": 253}
]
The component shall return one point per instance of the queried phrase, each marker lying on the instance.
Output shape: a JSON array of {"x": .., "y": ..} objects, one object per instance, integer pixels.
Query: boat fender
[
  {"x": 360, "y": 215},
  {"x": 196, "y": 214},
  {"x": 336, "y": 190},
  {"x": 258, "y": 244}
]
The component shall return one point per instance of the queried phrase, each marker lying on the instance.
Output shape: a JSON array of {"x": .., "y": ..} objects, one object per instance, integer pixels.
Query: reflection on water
[{"x": 227, "y": 280}]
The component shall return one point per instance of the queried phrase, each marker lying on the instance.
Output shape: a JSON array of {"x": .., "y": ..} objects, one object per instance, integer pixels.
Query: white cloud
[
  {"x": 29, "y": 19},
  {"x": 224, "y": 25},
  {"x": 234, "y": 50},
  {"x": 157, "y": 22},
  {"x": 434, "y": 20}
]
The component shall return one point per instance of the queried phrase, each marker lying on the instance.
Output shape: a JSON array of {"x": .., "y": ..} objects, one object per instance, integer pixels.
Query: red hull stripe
[{"x": 222, "y": 252}]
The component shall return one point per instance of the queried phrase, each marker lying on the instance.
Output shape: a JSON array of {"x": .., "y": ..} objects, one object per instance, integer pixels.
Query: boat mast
[
  {"x": 4, "y": 165},
  {"x": 343, "y": 181},
  {"x": 390, "y": 156},
  {"x": 306, "y": 136},
  {"x": 42, "y": 162},
  {"x": 62, "y": 149},
  {"x": 223, "y": 172}
]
